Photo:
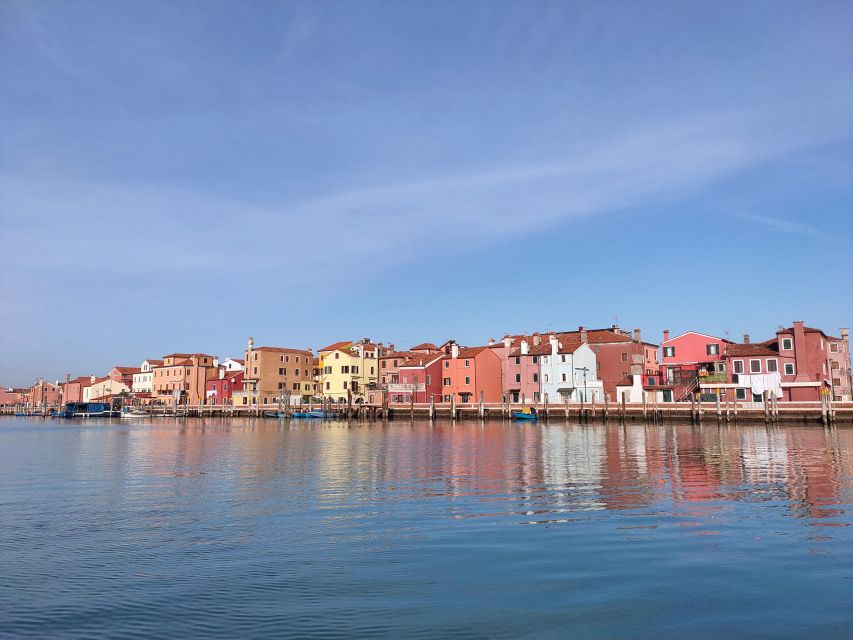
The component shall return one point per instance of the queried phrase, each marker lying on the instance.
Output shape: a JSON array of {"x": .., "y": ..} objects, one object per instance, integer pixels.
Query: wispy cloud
[{"x": 791, "y": 226}]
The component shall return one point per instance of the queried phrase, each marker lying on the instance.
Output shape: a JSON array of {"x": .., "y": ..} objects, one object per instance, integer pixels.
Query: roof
[
  {"x": 154, "y": 362},
  {"x": 397, "y": 354},
  {"x": 422, "y": 359},
  {"x": 343, "y": 346},
  {"x": 805, "y": 329},
  {"x": 128, "y": 369},
  {"x": 279, "y": 350},
  {"x": 697, "y": 333},
  {"x": 753, "y": 349},
  {"x": 470, "y": 352},
  {"x": 177, "y": 355},
  {"x": 424, "y": 346},
  {"x": 544, "y": 349},
  {"x": 237, "y": 360}
]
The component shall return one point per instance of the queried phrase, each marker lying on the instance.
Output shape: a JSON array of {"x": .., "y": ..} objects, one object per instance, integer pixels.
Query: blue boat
[
  {"x": 525, "y": 413},
  {"x": 89, "y": 410},
  {"x": 314, "y": 414}
]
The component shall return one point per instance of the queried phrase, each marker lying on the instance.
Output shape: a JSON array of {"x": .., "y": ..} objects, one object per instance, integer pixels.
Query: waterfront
[{"x": 255, "y": 528}]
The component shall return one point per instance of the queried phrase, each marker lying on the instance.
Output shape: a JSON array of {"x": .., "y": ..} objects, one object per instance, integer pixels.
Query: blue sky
[{"x": 178, "y": 176}]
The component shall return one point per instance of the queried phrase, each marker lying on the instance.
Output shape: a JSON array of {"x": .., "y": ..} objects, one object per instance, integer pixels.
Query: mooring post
[
  {"x": 453, "y": 406},
  {"x": 645, "y": 407},
  {"x": 606, "y": 406},
  {"x": 624, "y": 394},
  {"x": 566, "y": 404},
  {"x": 546, "y": 407},
  {"x": 719, "y": 410},
  {"x": 765, "y": 402},
  {"x": 481, "y": 410},
  {"x": 432, "y": 406}
]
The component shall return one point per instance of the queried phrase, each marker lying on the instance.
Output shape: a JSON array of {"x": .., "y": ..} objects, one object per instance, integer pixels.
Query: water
[{"x": 246, "y": 529}]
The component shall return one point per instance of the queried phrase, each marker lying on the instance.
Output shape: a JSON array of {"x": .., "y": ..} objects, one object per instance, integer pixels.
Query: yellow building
[{"x": 346, "y": 370}]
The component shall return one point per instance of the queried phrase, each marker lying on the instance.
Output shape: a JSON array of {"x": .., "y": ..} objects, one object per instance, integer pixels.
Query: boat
[
  {"x": 132, "y": 412},
  {"x": 90, "y": 410},
  {"x": 525, "y": 413},
  {"x": 314, "y": 414},
  {"x": 274, "y": 414}
]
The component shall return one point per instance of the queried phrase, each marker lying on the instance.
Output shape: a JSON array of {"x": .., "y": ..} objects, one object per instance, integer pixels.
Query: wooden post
[
  {"x": 566, "y": 400},
  {"x": 432, "y": 406},
  {"x": 580, "y": 410},
  {"x": 592, "y": 406},
  {"x": 606, "y": 406},
  {"x": 645, "y": 407},
  {"x": 624, "y": 394},
  {"x": 412, "y": 398},
  {"x": 546, "y": 407},
  {"x": 764, "y": 400},
  {"x": 453, "y": 406},
  {"x": 481, "y": 410},
  {"x": 719, "y": 410}
]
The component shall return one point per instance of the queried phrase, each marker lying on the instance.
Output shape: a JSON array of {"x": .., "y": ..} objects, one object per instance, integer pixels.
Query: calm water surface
[{"x": 245, "y": 529}]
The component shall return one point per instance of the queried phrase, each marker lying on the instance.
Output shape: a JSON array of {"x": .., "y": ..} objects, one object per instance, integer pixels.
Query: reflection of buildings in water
[
  {"x": 818, "y": 462},
  {"x": 627, "y": 483},
  {"x": 573, "y": 457},
  {"x": 697, "y": 461},
  {"x": 764, "y": 456}
]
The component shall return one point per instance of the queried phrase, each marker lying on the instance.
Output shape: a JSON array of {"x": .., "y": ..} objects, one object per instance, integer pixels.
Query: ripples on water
[{"x": 243, "y": 529}]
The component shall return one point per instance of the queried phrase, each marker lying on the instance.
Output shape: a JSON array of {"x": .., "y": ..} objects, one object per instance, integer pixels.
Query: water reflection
[{"x": 487, "y": 470}]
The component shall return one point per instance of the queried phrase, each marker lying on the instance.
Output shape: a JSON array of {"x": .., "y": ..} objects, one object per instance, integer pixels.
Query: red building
[
  {"x": 123, "y": 375},
  {"x": 219, "y": 390},
  {"x": 420, "y": 376},
  {"x": 72, "y": 390},
  {"x": 690, "y": 359}
]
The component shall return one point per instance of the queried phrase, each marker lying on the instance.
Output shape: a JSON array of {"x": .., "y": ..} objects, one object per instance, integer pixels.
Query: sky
[{"x": 179, "y": 176}]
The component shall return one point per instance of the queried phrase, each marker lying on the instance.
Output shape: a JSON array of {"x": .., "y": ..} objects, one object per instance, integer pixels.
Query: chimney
[
  {"x": 251, "y": 344},
  {"x": 665, "y": 335},
  {"x": 580, "y": 328},
  {"x": 537, "y": 339},
  {"x": 525, "y": 348},
  {"x": 454, "y": 350},
  {"x": 746, "y": 338},
  {"x": 637, "y": 335},
  {"x": 554, "y": 344},
  {"x": 507, "y": 342},
  {"x": 92, "y": 378},
  {"x": 845, "y": 334},
  {"x": 491, "y": 341},
  {"x": 584, "y": 335},
  {"x": 390, "y": 346}
]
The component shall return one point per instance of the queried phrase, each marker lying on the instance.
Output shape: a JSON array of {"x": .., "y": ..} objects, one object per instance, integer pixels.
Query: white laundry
[{"x": 758, "y": 383}]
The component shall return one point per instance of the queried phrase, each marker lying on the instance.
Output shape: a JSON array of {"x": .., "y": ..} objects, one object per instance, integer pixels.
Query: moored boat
[{"x": 525, "y": 413}]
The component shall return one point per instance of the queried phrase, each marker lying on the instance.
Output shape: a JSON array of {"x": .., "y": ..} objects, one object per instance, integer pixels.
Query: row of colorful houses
[{"x": 798, "y": 363}]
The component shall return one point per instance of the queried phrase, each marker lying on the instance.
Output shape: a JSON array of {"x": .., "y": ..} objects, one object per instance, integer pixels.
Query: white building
[
  {"x": 570, "y": 372},
  {"x": 233, "y": 364},
  {"x": 143, "y": 381}
]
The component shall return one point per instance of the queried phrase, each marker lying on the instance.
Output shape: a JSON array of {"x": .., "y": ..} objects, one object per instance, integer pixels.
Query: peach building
[
  {"x": 469, "y": 371},
  {"x": 183, "y": 376},
  {"x": 44, "y": 394},
  {"x": 274, "y": 373}
]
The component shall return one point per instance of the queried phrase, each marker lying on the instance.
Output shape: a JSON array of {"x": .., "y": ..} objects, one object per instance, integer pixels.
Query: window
[
  {"x": 255, "y": 370},
  {"x": 384, "y": 364},
  {"x": 282, "y": 372},
  {"x": 371, "y": 370},
  {"x": 296, "y": 386},
  {"x": 562, "y": 358},
  {"x": 789, "y": 369},
  {"x": 467, "y": 363},
  {"x": 772, "y": 365},
  {"x": 535, "y": 359},
  {"x": 355, "y": 368},
  {"x": 345, "y": 384},
  {"x": 515, "y": 396},
  {"x": 328, "y": 386},
  {"x": 445, "y": 382},
  {"x": 712, "y": 349},
  {"x": 296, "y": 372},
  {"x": 337, "y": 355},
  {"x": 281, "y": 386},
  {"x": 738, "y": 366},
  {"x": 297, "y": 358},
  {"x": 669, "y": 352},
  {"x": 345, "y": 369},
  {"x": 740, "y": 394},
  {"x": 834, "y": 365},
  {"x": 721, "y": 367},
  {"x": 447, "y": 398},
  {"x": 755, "y": 366},
  {"x": 428, "y": 379},
  {"x": 467, "y": 380},
  {"x": 836, "y": 382},
  {"x": 787, "y": 344},
  {"x": 517, "y": 360},
  {"x": 833, "y": 347},
  {"x": 327, "y": 370},
  {"x": 624, "y": 356},
  {"x": 281, "y": 358},
  {"x": 757, "y": 397},
  {"x": 287, "y": 358},
  {"x": 564, "y": 377},
  {"x": 395, "y": 363},
  {"x": 535, "y": 377},
  {"x": 518, "y": 377},
  {"x": 545, "y": 378}
]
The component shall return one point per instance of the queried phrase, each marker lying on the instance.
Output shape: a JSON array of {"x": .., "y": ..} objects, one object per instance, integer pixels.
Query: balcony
[
  {"x": 716, "y": 377},
  {"x": 405, "y": 387}
]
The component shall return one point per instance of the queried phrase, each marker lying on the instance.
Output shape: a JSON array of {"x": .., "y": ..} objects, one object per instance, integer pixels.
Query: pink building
[
  {"x": 522, "y": 370},
  {"x": 689, "y": 358},
  {"x": 469, "y": 372},
  {"x": 123, "y": 375},
  {"x": 839, "y": 367}
]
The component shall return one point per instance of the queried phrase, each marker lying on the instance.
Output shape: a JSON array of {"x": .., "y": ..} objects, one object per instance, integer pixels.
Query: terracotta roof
[
  {"x": 128, "y": 369},
  {"x": 752, "y": 349},
  {"x": 280, "y": 350},
  {"x": 343, "y": 346},
  {"x": 544, "y": 349},
  {"x": 177, "y": 355},
  {"x": 470, "y": 352},
  {"x": 154, "y": 362},
  {"x": 424, "y": 346},
  {"x": 805, "y": 329},
  {"x": 422, "y": 359},
  {"x": 397, "y": 354},
  {"x": 237, "y": 360}
]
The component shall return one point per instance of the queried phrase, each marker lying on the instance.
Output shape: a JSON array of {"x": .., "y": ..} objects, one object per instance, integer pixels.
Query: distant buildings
[{"x": 798, "y": 363}]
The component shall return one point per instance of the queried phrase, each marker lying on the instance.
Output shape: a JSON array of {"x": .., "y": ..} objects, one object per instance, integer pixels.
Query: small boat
[
  {"x": 274, "y": 414},
  {"x": 314, "y": 414},
  {"x": 131, "y": 412},
  {"x": 525, "y": 413}
]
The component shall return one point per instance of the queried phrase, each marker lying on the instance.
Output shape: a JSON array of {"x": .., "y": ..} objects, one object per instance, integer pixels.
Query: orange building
[
  {"x": 185, "y": 373},
  {"x": 469, "y": 371},
  {"x": 272, "y": 373}
]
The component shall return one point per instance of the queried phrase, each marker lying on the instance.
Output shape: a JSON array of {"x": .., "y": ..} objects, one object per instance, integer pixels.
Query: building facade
[
  {"x": 183, "y": 378},
  {"x": 275, "y": 374},
  {"x": 471, "y": 372},
  {"x": 220, "y": 390},
  {"x": 347, "y": 371},
  {"x": 839, "y": 367}
]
